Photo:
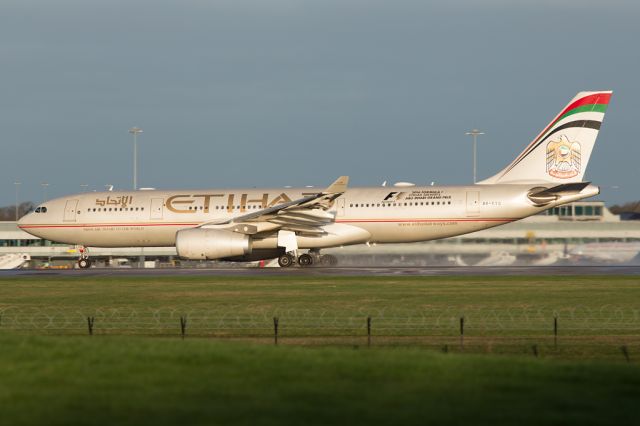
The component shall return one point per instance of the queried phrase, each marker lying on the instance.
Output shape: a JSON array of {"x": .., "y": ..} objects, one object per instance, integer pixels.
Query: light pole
[
  {"x": 17, "y": 184},
  {"x": 475, "y": 133},
  {"x": 44, "y": 191},
  {"x": 134, "y": 131}
]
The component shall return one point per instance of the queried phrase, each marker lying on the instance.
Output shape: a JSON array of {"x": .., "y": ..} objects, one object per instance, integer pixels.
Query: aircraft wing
[{"x": 304, "y": 215}]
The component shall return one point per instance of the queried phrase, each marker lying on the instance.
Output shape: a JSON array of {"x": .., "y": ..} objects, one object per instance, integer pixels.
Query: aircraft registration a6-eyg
[{"x": 254, "y": 224}]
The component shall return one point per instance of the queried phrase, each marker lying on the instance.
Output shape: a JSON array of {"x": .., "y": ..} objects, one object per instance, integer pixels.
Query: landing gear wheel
[
  {"x": 285, "y": 261},
  {"x": 84, "y": 263},
  {"x": 305, "y": 260}
]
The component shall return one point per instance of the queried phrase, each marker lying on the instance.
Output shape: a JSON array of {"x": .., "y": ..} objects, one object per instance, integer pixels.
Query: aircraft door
[
  {"x": 157, "y": 208},
  {"x": 70, "y": 210},
  {"x": 473, "y": 203},
  {"x": 340, "y": 207}
]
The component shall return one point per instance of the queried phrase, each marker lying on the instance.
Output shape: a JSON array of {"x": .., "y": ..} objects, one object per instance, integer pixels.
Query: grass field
[{"x": 136, "y": 369}]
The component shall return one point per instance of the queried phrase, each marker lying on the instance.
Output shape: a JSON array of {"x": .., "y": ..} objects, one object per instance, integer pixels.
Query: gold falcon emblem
[{"x": 563, "y": 158}]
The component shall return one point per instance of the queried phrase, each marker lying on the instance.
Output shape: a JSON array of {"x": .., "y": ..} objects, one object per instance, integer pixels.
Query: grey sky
[{"x": 284, "y": 92}]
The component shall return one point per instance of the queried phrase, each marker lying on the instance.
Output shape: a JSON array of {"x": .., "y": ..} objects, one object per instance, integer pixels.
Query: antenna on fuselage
[{"x": 109, "y": 187}]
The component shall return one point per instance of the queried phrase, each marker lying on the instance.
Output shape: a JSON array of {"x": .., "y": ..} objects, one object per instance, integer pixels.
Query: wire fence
[{"x": 243, "y": 321}]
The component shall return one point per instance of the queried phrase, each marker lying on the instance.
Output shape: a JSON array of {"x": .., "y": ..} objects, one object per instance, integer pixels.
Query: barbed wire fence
[{"x": 392, "y": 321}]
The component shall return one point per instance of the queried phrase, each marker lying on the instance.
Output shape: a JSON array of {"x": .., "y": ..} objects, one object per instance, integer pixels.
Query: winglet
[{"x": 338, "y": 187}]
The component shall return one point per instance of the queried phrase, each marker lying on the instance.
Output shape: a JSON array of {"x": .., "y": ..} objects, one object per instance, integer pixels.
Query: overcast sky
[{"x": 285, "y": 92}]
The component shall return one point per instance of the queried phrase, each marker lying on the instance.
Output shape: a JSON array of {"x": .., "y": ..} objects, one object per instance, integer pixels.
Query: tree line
[
  {"x": 9, "y": 213},
  {"x": 631, "y": 207}
]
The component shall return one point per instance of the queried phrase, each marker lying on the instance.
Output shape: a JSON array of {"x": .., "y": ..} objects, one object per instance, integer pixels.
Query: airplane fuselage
[{"x": 369, "y": 214}]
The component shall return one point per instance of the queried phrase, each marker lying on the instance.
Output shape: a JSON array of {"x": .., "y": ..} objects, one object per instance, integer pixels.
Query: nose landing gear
[{"x": 84, "y": 262}]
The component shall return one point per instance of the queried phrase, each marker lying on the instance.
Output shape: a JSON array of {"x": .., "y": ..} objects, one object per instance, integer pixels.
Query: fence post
[
  {"x": 183, "y": 325},
  {"x": 368, "y": 331},
  {"x": 90, "y": 321},
  {"x": 462, "y": 332},
  {"x": 275, "y": 330},
  {"x": 555, "y": 332},
  {"x": 625, "y": 352}
]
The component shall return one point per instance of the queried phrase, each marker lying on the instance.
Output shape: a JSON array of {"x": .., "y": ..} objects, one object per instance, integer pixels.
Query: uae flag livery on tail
[{"x": 560, "y": 152}]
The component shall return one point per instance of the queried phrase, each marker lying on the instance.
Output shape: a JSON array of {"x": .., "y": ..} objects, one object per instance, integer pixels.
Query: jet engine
[{"x": 202, "y": 243}]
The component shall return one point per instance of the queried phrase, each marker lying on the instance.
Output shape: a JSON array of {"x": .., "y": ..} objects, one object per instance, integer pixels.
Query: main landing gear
[
  {"x": 307, "y": 259},
  {"x": 286, "y": 260},
  {"x": 84, "y": 262}
]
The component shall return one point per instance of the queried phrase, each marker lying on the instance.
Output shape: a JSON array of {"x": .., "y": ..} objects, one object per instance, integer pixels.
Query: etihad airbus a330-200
[{"x": 293, "y": 225}]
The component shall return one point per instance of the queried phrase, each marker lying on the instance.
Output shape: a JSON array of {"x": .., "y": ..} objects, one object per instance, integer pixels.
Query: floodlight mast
[
  {"x": 17, "y": 184},
  {"x": 44, "y": 186},
  {"x": 475, "y": 133},
  {"x": 134, "y": 131}
]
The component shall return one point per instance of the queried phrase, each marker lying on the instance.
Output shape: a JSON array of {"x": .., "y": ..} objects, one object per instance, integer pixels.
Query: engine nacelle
[{"x": 202, "y": 243}]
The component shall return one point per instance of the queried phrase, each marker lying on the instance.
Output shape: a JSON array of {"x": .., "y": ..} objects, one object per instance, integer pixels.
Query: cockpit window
[{"x": 41, "y": 210}]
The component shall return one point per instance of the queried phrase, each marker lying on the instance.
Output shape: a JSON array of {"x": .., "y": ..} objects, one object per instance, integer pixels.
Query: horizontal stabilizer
[{"x": 541, "y": 195}]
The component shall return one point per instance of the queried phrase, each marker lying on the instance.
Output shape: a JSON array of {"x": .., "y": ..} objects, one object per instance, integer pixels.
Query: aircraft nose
[
  {"x": 25, "y": 220},
  {"x": 26, "y": 223}
]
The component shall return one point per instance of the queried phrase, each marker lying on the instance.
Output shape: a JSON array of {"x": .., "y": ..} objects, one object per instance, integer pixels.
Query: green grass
[
  {"x": 595, "y": 309},
  {"x": 137, "y": 370},
  {"x": 338, "y": 292},
  {"x": 61, "y": 380}
]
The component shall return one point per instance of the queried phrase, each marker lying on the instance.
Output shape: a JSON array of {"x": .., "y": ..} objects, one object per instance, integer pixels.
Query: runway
[{"x": 338, "y": 271}]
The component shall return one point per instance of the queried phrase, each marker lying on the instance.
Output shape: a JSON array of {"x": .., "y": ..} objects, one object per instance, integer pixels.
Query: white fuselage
[{"x": 375, "y": 214}]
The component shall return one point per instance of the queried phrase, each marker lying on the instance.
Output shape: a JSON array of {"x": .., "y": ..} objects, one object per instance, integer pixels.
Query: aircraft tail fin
[{"x": 560, "y": 153}]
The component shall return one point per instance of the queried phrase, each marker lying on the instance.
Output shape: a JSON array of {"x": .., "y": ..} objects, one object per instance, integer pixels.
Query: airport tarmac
[{"x": 338, "y": 271}]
